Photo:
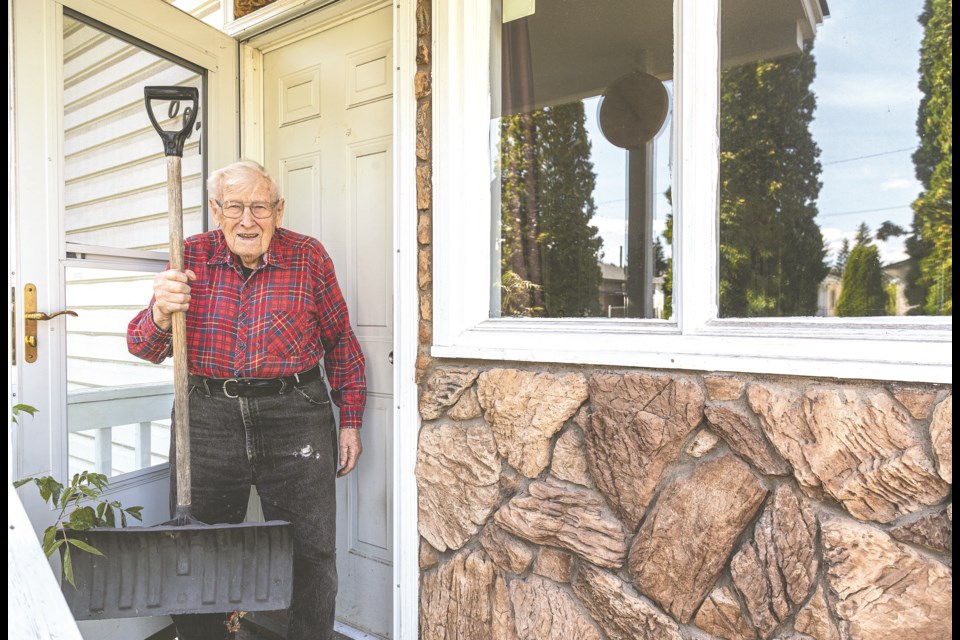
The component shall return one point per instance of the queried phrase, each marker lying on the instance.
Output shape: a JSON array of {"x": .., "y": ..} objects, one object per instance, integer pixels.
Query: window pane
[
  {"x": 115, "y": 175},
  {"x": 115, "y": 196},
  {"x": 118, "y": 406},
  {"x": 581, "y": 126},
  {"x": 833, "y": 201}
]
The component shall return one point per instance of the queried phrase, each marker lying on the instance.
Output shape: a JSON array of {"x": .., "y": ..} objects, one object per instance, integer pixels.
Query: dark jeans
[{"x": 287, "y": 446}]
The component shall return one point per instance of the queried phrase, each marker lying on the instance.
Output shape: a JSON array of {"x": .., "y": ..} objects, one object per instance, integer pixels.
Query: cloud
[
  {"x": 900, "y": 183},
  {"x": 875, "y": 93}
]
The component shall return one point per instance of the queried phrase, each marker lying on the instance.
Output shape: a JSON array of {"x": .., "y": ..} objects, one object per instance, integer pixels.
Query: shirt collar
[{"x": 274, "y": 256}]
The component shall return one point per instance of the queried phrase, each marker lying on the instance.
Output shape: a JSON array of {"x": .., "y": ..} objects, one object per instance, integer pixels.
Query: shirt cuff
[
  {"x": 351, "y": 417},
  {"x": 156, "y": 328}
]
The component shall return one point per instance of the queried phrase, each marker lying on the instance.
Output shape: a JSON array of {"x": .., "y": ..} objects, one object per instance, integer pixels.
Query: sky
[{"x": 867, "y": 56}]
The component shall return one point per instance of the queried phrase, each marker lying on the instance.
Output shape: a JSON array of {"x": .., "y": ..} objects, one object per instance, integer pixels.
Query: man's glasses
[{"x": 234, "y": 209}]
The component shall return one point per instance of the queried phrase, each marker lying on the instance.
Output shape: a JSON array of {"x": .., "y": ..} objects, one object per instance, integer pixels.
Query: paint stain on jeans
[{"x": 307, "y": 452}]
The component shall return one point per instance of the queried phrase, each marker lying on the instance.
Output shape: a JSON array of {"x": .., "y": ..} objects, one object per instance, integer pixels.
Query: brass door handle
[
  {"x": 30, "y": 318},
  {"x": 39, "y": 315}
]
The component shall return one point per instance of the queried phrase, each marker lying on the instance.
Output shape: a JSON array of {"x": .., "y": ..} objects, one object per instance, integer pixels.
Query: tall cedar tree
[
  {"x": 930, "y": 282},
  {"x": 862, "y": 290},
  {"x": 549, "y": 248},
  {"x": 772, "y": 254},
  {"x": 520, "y": 282}
]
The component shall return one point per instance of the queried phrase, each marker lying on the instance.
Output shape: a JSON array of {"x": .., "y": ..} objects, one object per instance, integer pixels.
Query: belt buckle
[{"x": 227, "y": 393}]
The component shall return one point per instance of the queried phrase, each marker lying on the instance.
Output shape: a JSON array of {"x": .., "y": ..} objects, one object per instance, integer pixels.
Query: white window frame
[{"x": 885, "y": 348}]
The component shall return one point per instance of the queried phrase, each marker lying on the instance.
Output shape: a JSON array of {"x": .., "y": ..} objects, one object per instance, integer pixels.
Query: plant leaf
[
  {"x": 68, "y": 566},
  {"x": 82, "y": 518},
  {"x": 49, "y": 536},
  {"x": 53, "y": 547},
  {"x": 83, "y": 546}
]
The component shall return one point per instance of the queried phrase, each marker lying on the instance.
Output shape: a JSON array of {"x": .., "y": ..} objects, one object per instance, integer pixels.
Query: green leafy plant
[
  {"x": 21, "y": 408},
  {"x": 81, "y": 504}
]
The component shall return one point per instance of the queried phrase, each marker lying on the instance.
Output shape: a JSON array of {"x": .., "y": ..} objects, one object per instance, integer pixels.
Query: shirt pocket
[{"x": 286, "y": 334}]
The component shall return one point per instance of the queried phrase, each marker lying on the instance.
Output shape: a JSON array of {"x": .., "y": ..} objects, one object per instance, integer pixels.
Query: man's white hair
[{"x": 243, "y": 173}]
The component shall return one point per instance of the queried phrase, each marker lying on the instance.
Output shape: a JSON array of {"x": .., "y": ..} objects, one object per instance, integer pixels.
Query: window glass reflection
[
  {"x": 835, "y": 159},
  {"x": 581, "y": 124}
]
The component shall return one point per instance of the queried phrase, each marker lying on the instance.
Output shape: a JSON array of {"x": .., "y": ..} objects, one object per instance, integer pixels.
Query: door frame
[{"x": 254, "y": 43}]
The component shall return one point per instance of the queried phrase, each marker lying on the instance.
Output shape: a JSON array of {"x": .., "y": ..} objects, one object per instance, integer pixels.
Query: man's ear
[
  {"x": 280, "y": 211},
  {"x": 215, "y": 210}
]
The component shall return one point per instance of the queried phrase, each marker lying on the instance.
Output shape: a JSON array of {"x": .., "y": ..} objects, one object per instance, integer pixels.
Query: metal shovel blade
[{"x": 167, "y": 569}]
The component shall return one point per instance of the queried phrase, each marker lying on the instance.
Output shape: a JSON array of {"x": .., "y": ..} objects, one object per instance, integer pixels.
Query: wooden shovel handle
[{"x": 181, "y": 404}]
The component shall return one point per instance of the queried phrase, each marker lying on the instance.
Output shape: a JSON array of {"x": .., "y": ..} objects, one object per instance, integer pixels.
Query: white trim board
[{"x": 406, "y": 418}]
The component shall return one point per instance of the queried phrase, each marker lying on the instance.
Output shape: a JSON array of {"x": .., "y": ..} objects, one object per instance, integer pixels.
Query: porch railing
[{"x": 101, "y": 410}]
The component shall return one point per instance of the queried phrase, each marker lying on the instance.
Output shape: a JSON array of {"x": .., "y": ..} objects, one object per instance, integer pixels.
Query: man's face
[{"x": 247, "y": 236}]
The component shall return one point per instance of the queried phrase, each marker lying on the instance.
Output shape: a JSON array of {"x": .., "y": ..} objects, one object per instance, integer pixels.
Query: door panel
[{"x": 328, "y": 137}]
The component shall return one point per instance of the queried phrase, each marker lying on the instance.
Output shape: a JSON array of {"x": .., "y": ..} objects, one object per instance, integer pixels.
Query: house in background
[
  {"x": 598, "y": 476},
  {"x": 896, "y": 274},
  {"x": 612, "y": 290},
  {"x": 828, "y": 295}
]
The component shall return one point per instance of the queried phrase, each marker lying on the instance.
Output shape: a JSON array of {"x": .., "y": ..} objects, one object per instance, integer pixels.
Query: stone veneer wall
[{"x": 583, "y": 503}]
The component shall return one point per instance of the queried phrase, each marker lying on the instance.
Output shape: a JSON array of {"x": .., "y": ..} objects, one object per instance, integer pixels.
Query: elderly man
[{"x": 263, "y": 309}]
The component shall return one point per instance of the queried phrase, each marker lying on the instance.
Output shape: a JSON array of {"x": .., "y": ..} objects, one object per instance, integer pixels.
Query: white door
[
  {"x": 328, "y": 139},
  {"x": 89, "y": 229}
]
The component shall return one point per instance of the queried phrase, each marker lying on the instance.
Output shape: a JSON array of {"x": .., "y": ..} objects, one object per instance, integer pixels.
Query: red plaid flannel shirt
[{"x": 284, "y": 319}]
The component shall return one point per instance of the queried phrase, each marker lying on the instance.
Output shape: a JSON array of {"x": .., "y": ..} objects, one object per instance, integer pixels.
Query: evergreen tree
[
  {"x": 841, "y": 261},
  {"x": 772, "y": 254},
  {"x": 930, "y": 246},
  {"x": 863, "y": 292},
  {"x": 569, "y": 244},
  {"x": 668, "y": 275},
  {"x": 549, "y": 251},
  {"x": 521, "y": 291}
]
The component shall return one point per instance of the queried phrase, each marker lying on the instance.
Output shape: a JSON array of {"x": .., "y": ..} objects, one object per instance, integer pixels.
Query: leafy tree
[
  {"x": 930, "y": 246},
  {"x": 890, "y": 230},
  {"x": 772, "y": 254},
  {"x": 863, "y": 291},
  {"x": 547, "y": 195}
]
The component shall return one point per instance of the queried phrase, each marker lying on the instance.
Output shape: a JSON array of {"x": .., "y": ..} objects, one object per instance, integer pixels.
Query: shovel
[{"x": 182, "y": 566}]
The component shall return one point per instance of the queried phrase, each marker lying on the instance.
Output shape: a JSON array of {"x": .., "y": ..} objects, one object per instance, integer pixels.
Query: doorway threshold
[
  {"x": 272, "y": 625},
  {"x": 343, "y": 631}
]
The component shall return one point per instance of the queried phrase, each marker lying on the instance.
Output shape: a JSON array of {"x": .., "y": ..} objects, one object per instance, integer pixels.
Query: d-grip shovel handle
[{"x": 173, "y": 140}]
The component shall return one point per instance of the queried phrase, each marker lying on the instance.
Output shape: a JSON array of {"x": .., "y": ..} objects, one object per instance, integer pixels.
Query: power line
[
  {"x": 872, "y": 155},
  {"x": 847, "y": 213}
]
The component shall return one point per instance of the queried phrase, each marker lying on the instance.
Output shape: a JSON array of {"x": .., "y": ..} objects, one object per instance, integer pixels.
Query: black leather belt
[{"x": 254, "y": 387}]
